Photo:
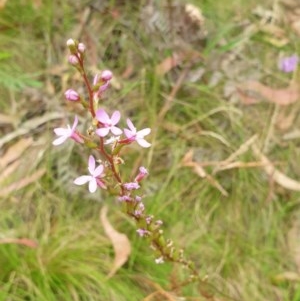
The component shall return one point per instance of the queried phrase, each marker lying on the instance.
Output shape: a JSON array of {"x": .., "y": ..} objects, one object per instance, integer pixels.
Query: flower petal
[
  {"x": 61, "y": 131},
  {"x": 98, "y": 171},
  {"x": 102, "y": 132},
  {"x": 130, "y": 125},
  {"x": 82, "y": 180},
  {"x": 102, "y": 116},
  {"x": 116, "y": 131},
  {"x": 93, "y": 185},
  {"x": 115, "y": 117},
  {"x": 92, "y": 164},
  {"x": 143, "y": 143},
  {"x": 60, "y": 140},
  {"x": 128, "y": 133},
  {"x": 143, "y": 133},
  {"x": 74, "y": 124}
]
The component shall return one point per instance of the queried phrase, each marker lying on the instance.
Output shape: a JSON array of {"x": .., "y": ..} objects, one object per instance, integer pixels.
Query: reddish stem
[
  {"x": 88, "y": 86},
  {"x": 111, "y": 161}
]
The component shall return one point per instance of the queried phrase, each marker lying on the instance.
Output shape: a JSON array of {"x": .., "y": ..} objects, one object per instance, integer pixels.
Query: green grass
[{"x": 239, "y": 241}]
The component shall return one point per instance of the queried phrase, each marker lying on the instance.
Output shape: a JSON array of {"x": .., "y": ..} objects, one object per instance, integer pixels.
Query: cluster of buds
[{"x": 106, "y": 138}]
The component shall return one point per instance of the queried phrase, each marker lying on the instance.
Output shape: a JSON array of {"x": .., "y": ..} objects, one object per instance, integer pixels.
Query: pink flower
[
  {"x": 93, "y": 179},
  {"x": 131, "y": 186},
  {"x": 139, "y": 210},
  {"x": 66, "y": 133},
  {"x": 142, "y": 174},
  {"x": 288, "y": 64},
  {"x": 124, "y": 198},
  {"x": 149, "y": 219},
  {"x": 72, "y": 95},
  {"x": 142, "y": 232},
  {"x": 133, "y": 135},
  {"x": 108, "y": 124}
]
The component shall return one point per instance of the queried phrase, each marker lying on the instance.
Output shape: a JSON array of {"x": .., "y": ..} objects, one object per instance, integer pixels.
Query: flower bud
[
  {"x": 131, "y": 186},
  {"x": 142, "y": 174},
  {"x": 72, "y": 45},
  {"x": 81, "y": 47},
  {"x": 106, "y": 75},
  {"x": 96, "y": 79},
  {"x": 73, "y": 60},
  {"x": 72, "y": 95},
  {"x": 103, "y": 87}
]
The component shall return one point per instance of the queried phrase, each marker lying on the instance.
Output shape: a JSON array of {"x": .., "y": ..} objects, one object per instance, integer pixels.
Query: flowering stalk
[{"x": 107, "y": 138}]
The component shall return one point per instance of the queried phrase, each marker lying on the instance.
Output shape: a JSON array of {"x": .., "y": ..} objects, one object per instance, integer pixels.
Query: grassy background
[{"x": 239, "y": 241}]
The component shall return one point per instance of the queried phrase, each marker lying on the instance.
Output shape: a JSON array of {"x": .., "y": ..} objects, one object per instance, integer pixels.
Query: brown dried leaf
[
  {"x": 9, "y": 170},
  {"x": 23, "y": 182},
  {"x": 281, "y": 97},
  {"x": 293, "y": 239},
  {"x": 200, "y": 171},
  {"x": 195, "y": 14},
  {"x": 285, "y": 277},
  {"x": 286, "y": 121},
  {"x": 178, "y": 58},
  {"x": 279, "y": 177},
  {"x": 168, "y": 64},
  {"x": 7, "y": 119},
  {"x": 21, "y": 241},
  {"x": 120, "y": 242},
  {"x": 296, "y": 27},
  {"x": 15, "y": 151},
  {"x": 29, "y": 125},
  {"x": 2, "y": 4}
]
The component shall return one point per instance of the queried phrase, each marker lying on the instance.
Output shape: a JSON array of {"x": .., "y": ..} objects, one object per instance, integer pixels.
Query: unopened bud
[
  {"x": 142, "y": 174},
  {"x": 71, "y": 42},
  {"x": 96, "y": 79},
  {"x": 73, "y": 60},
  {"x": 81, "y": 47},
  {"x": 106, "y": 75},
  {"x": 72, "y": 45},
  {"x": 72, "y": 95}
]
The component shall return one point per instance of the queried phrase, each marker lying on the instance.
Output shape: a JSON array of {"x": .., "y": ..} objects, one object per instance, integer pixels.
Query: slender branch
[{"x": 88, "y": 86}]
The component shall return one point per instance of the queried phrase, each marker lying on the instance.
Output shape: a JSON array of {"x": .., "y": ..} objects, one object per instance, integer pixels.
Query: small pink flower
[
  {"x": 288, "y": 64},
  {"x": 65, "y": 133},
  {"x": 138, "y": 198},
  {"x": 133, "y": 135},
  {"x": 142, "y": 232},
  {"x": 108, "y": 124},
  {"x": 93, "y": 179},
  {"x": 139, "y": 210},
  {"x": 142, "y": 174},
  {"x": 131, "y": 186},
  {"x": 149, "y": 219},
  {"x": 72, "y": 95},
  {"x": 124, "y": 198}
]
